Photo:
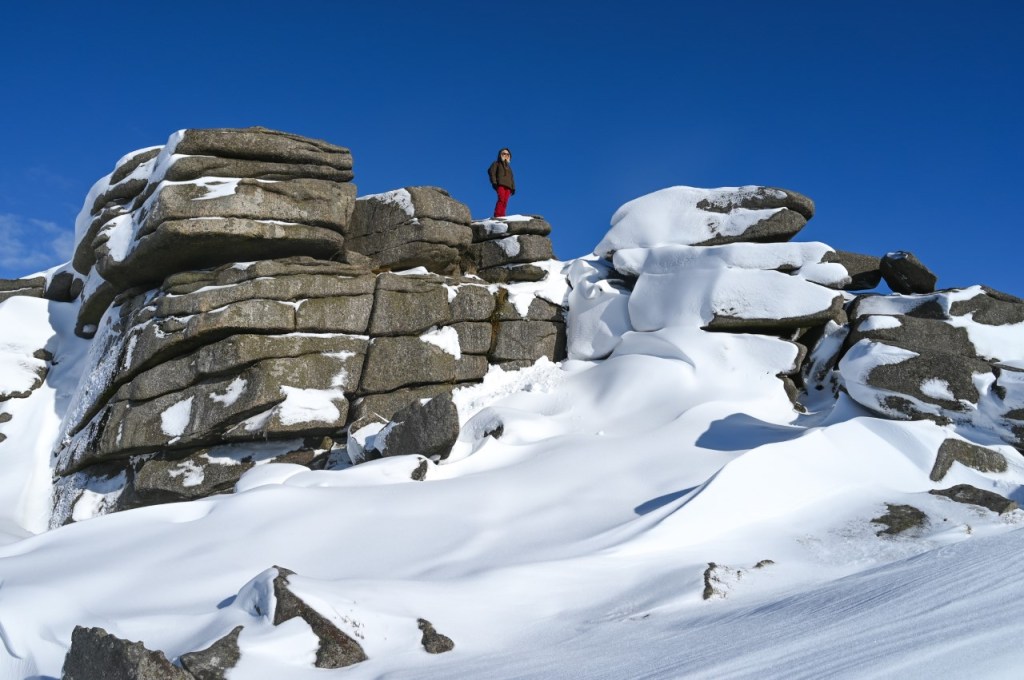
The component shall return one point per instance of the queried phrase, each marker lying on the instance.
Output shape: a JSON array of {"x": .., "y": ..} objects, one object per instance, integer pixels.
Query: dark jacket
[{"x": 501, "y": 175}]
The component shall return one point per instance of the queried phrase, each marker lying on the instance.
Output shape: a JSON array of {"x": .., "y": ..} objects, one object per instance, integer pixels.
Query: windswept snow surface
[{"x": 576, "y": 543}]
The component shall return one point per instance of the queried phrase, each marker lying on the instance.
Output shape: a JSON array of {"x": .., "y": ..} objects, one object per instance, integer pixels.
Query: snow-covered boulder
[
  {"x": 690, "y": 216},
  {"x": 953, "y": 356}
]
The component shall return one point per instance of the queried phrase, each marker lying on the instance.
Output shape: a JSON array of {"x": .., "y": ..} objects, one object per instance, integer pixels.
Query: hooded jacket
[{"x": 501, "y": 175}]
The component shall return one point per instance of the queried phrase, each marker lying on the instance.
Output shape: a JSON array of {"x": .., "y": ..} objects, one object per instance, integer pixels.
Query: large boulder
[
  {"x": 336, "y": 649},
  {"x": 427, "y": 429},
  {"x": 262, "y": 144},
  {"x": 967, "y": 454},
  {"x": 904, "y": 273},
  {"x": 411, "y": 227},
  {"x": 972, "y": 495},
  {"x": 95, "y": 653},
  {"x": 689, "y": 216},
  {"x": 214, "y": 662},
  {"x": 865, "y": 270}
]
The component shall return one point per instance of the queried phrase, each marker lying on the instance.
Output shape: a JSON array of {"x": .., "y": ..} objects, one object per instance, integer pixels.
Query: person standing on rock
[{"x": 503, "y": 181}]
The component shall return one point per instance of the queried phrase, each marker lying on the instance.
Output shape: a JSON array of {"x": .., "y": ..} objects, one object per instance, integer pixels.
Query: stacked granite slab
[
  {"x": 205, "y": 198},
  {"x": 504, "y": 250},
  {"x": 246, "y": 308},
  {"x": 411, "y": 227}
]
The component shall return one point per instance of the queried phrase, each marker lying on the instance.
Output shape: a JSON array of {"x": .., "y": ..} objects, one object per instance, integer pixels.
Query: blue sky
[{"x": 900, "y": 119}]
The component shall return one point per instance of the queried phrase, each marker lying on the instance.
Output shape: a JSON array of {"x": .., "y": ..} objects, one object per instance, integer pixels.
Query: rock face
[
  {"x": 95, "y": 653},
  {"x": 336, "y": 649},
  {"x": 950, "y": 356},
  {"x": 244, "y": 311},
  {"x": 965, "y": 493},
  {"x": 33, "y": 287},
  {"x": 904, "y": 273},
  {"x": 214, "y": 662}
]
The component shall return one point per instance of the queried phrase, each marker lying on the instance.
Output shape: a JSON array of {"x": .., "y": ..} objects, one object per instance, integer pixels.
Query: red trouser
[{"x": 502, "y": 204}]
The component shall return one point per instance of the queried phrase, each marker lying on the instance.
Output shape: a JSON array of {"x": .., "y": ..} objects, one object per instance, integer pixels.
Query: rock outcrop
[
  {"x": 951, "y": 356},
  {"x": 247, "y": 307}
]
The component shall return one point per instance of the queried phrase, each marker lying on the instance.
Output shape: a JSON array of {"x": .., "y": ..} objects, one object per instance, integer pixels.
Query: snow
[
  {"x": 671, "y": 216},
  {"x": 27, "y": 330},
  {"x": 577, "y": 513},
  {"x": 510, "y": 245},
  {"x": 937, "y": 389},
  {"x": 399, "y": 198},
  {"x": 231, "y": 394},
  {"x": 307, "y": 405},
  {"x": 174, "y": 421},
  {"x": 191, "y": 473},
  {"x": 446, "y": 338}
]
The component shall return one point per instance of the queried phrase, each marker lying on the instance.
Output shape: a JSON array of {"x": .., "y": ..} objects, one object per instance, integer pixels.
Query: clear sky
[{"x": 902, "y": 120}]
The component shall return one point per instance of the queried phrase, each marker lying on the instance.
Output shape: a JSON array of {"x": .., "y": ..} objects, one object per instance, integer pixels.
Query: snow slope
[{"x": 578, "y": 543}]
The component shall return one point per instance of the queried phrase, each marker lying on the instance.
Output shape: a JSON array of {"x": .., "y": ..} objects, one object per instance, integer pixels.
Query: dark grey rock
[
  {"x": 34, "y": 287},
  {"x": 539, "y": 310},
  {"x": 407, "y": 305},
  {"x": 165, "y": 479},
  {"x": 348, "y": 314},
  {"x": 182, "y": 244},
  {"x": 429, "y": 430},
  {"x": 293, "y": 288},
  {"x": 432, "y": 641},
  {"x": 337, "y": 649},
  {"x": 475, "y": 337},
  {"x": 384, "y": 406},
  {"x": 411, "y": 227},
  {"x": 394, "y": 362},
  {"x": 215, "y": 661},
  {"x": 96, "y": 654},
  {"x": 262, "y": 144},
  {"x": 509, "y": 250},
  {"x": 94, "y": 303},
  {"x": 991, "y": 308},
  {"x": 900, "y": 518},
  {"x": 528, "y": 341},
  {"x": 310, "y": 202},
  {"x": 924, "y": 336},
  {"x": 972, "y": 495},
  {"x": 966, "y": 453},
  {"x": 420, "y": 473},
  {"x": 234, "y": 353},
  {"x": 513, "y": 273},
  {"x": 864, "y": 270},
  {"x": 779, "y": 227},
  {"x": 64, "y": 286},
  {"x": 472, "y": 303},
  {"x": 487, "y": 230},
  {"x": 905, "y": 274},
  {"x": 734, "y": 324},
  {"x": 189, "y": 168},
  {"x": 762, "y": 198},
  {"x": 907, "y": 377}
]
